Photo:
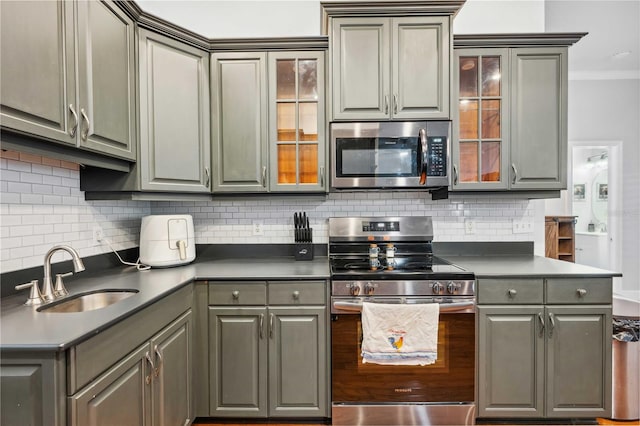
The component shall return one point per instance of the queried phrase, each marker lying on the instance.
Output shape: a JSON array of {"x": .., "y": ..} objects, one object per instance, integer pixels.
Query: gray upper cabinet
[
  {"x": 106, "y": 79},
  {"x": 296, "y": 121},
  {"x": 239, "y": 122},
  {"x": 174, "y": 115},
  {"x": 510, "y": 129},
  {"x": 390, "y": 68},
  {"x": 76, "y": 85},
  {"x": 539, "y": 118},
  {"x": 39, "y": 88}
]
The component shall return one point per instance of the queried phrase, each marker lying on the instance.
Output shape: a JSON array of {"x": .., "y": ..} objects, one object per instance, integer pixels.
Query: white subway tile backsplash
[{"x": 42, "y": 205}]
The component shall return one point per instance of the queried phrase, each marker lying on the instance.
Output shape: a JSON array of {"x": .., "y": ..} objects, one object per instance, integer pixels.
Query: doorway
[{"x": 595, "y": 191}]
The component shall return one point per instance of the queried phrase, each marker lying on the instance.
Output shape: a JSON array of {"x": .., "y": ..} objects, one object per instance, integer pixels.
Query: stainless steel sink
[{"x": 88, "y": 301}]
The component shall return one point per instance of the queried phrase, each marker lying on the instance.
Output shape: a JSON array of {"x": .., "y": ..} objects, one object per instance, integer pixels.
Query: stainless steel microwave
[{"x": 390, "y": 155}]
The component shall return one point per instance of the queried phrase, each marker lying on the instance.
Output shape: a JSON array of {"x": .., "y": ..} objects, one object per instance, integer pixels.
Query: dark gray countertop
[
  {"x": 525, "y": 266},
  {"x": 23, "y": 328}
]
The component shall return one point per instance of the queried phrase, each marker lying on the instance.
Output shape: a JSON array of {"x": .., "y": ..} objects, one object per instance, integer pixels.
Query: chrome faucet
[{"x": 50, "y": 293}]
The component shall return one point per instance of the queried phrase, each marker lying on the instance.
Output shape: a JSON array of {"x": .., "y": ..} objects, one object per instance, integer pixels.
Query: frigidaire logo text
[{"x": 403, "y": 390}]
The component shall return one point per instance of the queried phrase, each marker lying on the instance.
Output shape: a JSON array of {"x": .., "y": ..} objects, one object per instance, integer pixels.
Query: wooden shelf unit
[{"x": 559, "y": 232}]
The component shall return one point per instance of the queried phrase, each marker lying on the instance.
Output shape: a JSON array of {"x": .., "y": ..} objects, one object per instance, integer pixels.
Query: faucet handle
[
  {"x": 35, "y": 297},
  {"x": 59, "y": 290}
]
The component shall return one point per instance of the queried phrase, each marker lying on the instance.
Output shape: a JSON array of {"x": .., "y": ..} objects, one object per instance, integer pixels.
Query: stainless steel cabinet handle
[
  {"x": 395, "y": 104},
  {"x": 235, "y": 294},
  {"x": 581, "y": 292},
  {"x": 386, "y": 104},
  {"x": 541, "y": 320},
  {"x": 455, "y": 174},
  {"x": 207, "y": 177},
  {"x": 321, "y": 177},
  {"x": 271, "y": 326},
  {"x": 553, "y": 324},
  {"x": 85, "y": 130},
  {"x": 156, "y": 371},
  {"x": 261, "y": 326},
  {"x": 149, "y": 377},
  {"x": 296, "y": 295},
  {"x": 515, "y": 172},
  {"x": 512, "y": 292},
  {"x": 264, "y": 176},
  {"x": 74, "y": 128}
]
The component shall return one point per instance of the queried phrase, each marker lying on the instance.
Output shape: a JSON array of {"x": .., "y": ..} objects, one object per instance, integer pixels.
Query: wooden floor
[{"x": 600, "y": 422}]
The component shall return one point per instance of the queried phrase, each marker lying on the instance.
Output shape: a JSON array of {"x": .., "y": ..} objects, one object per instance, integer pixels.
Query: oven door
[{"x": 370, "y": 394}]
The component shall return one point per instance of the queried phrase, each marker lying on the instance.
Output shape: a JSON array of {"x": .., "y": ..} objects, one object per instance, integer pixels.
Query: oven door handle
[{"x": 444, "y": 307}]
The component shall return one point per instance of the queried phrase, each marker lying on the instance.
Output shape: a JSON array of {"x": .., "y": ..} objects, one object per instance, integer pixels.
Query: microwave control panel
[{"x": 437, "y": 156}]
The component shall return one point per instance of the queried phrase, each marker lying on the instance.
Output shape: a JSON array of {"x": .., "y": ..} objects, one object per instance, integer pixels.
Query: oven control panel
[
  {"x": 380, "y": 226},
  {"x": 403, "y": 288}
]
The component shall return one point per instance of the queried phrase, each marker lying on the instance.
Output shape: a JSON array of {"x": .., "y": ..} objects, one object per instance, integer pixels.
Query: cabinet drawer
[
  {"x": 510, "y": 291},
  {"x": 579, "y": 290},
  {"x": 238, "y": 293},
  {"x": 297, "y": 293}
]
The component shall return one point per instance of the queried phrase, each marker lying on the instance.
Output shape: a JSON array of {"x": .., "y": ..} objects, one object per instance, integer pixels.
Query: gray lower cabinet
[
  {"x": 32, "y": 388},
  {"x": 390, "y": 68},
  {"x": 69, "y": 76},
  {"x": 151, "y": 386},
  {"x": 268, "y": 359},
  {"x": 239, "y": 121},
  {"x": 511, "y": 112},
  {"x": 544, "y": 357}
]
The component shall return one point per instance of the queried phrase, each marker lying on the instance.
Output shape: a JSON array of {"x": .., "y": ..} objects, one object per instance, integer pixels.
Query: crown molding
[
  {"x": 516, "y": 39},
  {"x": 387, "y": 8}
]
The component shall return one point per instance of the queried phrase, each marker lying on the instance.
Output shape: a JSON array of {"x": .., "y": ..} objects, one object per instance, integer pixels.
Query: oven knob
[
  {"x": 354, "y": 289},
  {"x": 452, "y": 288},
  {"x": 437, "y": 287},
  {"x": 369, "y": 289}
]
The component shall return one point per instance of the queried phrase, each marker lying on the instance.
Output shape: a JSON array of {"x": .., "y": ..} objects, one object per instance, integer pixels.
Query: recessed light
[{"x": 620, "y": 55}]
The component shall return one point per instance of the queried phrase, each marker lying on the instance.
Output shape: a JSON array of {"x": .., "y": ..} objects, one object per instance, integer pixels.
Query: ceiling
[
  {"x": 613, "y": 27},
  {"x": 611, "y": 50}
]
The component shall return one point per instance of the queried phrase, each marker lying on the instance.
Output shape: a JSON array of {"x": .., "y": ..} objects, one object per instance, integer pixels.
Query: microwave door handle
[{"x": 425, "y": 149}]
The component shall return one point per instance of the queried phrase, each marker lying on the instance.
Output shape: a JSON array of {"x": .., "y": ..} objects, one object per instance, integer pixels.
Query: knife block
[{"x": 303, "y": 251}]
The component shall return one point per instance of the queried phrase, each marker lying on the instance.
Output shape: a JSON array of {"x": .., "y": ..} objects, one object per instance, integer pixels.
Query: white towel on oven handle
[{"x": 400, "y": 334}]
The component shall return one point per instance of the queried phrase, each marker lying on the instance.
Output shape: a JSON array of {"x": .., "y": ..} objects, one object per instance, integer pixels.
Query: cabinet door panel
[
  {"x": 480, "y": 150},
  {"x": 174, "y": 115},
  {"x": 511, "y": 360},
  {"x": 420, "y": 70},
  {"x": 118, "y": 397},
  {"x": 361, "y": 68},
  {"x": 579, "y": 362},
  {"x": 239, "y": 120},
  {"x": 172, "y": 380},
  {"x": 538, "y": 118},
  {"x": 38, "y": 73},
  {"x": 296, "y": 121},
  {"x": 238, "y": 362},
  {"x": 297, "y": 384},
  {"x": 106, "y": 78}
]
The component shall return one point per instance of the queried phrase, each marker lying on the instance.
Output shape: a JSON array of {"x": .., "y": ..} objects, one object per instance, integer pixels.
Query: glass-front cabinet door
[
  {"x": 296, "y": 118},
  {"x": 481, "y": 131}
]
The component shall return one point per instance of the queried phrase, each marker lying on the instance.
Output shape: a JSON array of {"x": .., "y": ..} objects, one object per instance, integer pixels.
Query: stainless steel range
[{"x": 390, "y": 260}]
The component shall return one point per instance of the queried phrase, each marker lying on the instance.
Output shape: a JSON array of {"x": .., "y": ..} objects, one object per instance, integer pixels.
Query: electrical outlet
[
  {"x": 98, "y": 235},
  {"x": 258, "y": 227},
  {"x": 469, "y": 226},
  {"x": 522, "y": 226}
]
